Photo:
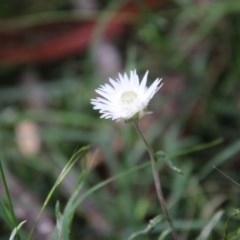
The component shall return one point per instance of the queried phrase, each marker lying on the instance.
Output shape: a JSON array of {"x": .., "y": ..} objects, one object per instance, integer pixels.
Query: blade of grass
[
  {"x": 220, "y": 158},
  {"x": 70, "y": 208},
  {"x": 142, "y": 166},
  {"x": 107, "y": 181},
  {"x": 15, "y": 230},
  {"x": 227, "y": 177},
  {"x": 205, "y": 233},
  {"x": 78, "y": 155},
  {"x": 76, "y": 200},
  {"x": 164, "y": 234},
  {"x": 152, "y": 224},
  {"x": 5, "y": 214},
  {"x": 10, "y": 212},
  {"x": 199, "y": 147}
]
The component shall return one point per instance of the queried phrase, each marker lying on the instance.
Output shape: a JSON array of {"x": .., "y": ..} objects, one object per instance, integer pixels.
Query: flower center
[{"x": 128, "y": 98}]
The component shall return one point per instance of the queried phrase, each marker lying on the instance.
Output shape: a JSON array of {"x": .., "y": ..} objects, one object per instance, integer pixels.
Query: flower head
[{"x": 126, "y": 97}]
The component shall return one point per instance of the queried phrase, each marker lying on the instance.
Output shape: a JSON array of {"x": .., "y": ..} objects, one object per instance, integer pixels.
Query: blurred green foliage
[{"x": 194, "y": 46}]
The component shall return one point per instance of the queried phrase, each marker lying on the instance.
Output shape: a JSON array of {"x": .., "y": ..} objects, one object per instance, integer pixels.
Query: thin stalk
[
  {"x": 9, "y": 200},
  {"x": 157, "y": 181}
]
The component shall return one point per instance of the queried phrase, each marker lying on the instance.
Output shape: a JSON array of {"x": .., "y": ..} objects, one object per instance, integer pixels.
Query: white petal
[
  {"x": 111, "y": 105},
  {"x": 144, "y": 81}
]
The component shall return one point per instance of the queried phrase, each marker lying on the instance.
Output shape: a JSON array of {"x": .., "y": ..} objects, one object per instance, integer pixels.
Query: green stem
[
  {"x": 157, "y": 181},
  {"x": 9, "y": 200}
]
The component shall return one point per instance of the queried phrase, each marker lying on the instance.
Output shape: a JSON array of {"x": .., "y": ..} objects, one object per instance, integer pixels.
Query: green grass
[{"x": 195, "y": 121}]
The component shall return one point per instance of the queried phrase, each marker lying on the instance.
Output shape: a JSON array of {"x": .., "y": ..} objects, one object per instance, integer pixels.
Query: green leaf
[
  {"x": 152, "y": 224},
  {"x": 66, "y": 219},
  {"x": 76, "y": 156},
  {"x": 15, "y": 230},
  {"x": 160, "y": 155},
  {"x": 206, "y": 231},
  {"x": 164, "y": 234}
]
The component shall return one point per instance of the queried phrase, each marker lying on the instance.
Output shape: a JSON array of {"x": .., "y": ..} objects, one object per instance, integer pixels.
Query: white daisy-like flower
[{"x": 126, "y": 97}]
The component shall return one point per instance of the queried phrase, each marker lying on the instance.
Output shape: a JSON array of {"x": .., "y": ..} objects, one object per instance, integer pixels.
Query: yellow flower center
[{"x": 128, "y": 98}]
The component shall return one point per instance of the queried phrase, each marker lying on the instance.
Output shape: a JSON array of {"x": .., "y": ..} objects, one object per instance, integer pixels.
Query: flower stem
[
  {"x": 9, "y": 200},
  {"x": 157, "y": 181}
]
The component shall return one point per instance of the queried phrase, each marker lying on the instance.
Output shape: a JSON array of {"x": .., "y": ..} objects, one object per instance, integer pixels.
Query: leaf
[
  {"x": 164, "y": 234},
  {"x": 235, "y": 213},
  {"x": 206, "y": 231},
  {"x": 160, "y": 155},
  {"x": 76, "y": 156},
  {"x": 15, "y": 230},
  {"x": 227, "y": 177},
  {"x": 152, "y": 224},
  {"x": 65, "y": 219},
  {"x": 220, "y": 158},
  {"x": 58, "y": 219}
]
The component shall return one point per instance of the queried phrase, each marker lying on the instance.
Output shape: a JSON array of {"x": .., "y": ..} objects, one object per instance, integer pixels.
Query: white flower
[{"x": 126, "y": 97}]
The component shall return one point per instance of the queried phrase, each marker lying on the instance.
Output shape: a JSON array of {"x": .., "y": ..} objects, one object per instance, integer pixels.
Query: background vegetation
[{"x": 46, "y": 116}]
